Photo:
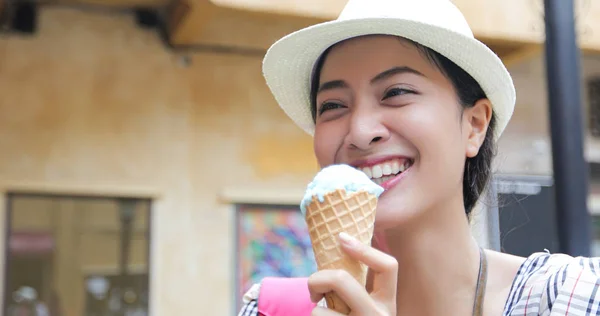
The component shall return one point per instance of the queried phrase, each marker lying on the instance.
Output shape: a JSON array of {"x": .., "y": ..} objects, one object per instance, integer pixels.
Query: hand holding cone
[{"x": 337, "y": 203}]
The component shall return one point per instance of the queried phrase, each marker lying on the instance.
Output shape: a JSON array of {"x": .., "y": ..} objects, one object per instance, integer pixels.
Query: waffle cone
[{"x": 353, "y": 214}]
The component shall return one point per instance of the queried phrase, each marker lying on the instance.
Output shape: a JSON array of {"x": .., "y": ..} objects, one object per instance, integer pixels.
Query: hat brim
[{"x": 289, "y": 63}]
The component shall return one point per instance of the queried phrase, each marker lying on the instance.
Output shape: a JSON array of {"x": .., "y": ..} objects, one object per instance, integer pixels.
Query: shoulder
[
  {"x": 278, "y": 296},
  {"x": 251, "y": 294},
  {"x": 250, "y": 301},
  {"x": 556, "y": 282}
]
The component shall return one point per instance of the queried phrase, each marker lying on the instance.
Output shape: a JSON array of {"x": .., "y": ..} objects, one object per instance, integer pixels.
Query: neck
[{"x": 438, "y": 262}]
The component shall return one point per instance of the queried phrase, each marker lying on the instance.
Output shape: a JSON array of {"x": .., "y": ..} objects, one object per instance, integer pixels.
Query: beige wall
[{"x": 93, "y": 104}]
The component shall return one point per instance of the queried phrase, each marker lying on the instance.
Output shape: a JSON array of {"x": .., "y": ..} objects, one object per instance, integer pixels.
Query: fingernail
[{"x": 347, "y": 239}]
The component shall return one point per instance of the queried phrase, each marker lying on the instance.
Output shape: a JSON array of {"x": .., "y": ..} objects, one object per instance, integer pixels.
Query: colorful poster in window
[{"x": 272, "y": 241}]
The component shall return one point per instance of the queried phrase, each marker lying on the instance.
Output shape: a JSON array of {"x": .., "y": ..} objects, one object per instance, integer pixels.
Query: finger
[
  {"x": 343, "y": 284},
  {"x": 384, "y": 266},
  {"x": 322, "y": 311}
]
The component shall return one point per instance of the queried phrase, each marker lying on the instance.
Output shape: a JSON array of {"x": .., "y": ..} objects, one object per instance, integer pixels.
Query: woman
[{"x": 405, "y": 81}]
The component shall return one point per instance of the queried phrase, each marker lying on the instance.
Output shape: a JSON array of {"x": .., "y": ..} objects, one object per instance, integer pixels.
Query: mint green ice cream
[{"x": 336, "y": 177}]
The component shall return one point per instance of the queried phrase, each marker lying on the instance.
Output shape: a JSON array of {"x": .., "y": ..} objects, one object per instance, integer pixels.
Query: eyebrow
[
  {"x": 335, "y": 84},
  {"x": 339, "y": 84},
  {"x": 394, "y": 71}
]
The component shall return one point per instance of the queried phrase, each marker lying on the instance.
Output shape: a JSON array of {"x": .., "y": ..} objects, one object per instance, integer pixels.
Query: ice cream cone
[{"x": 340, "y": 211}]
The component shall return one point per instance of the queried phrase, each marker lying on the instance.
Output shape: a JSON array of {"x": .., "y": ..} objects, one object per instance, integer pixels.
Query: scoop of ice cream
[{"x": 336, "y": 177}]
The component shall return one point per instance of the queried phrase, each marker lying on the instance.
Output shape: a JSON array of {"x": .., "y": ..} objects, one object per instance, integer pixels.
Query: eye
[
  {"x": 396, "y": 92},
  {"x": 329, "y": 106}
]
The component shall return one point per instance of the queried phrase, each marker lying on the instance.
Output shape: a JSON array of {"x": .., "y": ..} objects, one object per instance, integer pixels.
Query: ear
[{"x": 477, "y": 120}]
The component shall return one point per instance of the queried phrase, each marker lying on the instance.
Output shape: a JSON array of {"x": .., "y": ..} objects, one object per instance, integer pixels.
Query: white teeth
[
  {"x": 377, "y": 172},
  {"x": 367, "y": 171},
  {"x": 405, "y": 166},
  {"x": 402, "y": 167},
  {"x": 395, "y": 167},
  {"x": 386, "y": 169}
]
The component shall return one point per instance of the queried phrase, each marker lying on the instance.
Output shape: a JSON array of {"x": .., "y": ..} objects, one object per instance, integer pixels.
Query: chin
[{"x": 389, "y": 215}]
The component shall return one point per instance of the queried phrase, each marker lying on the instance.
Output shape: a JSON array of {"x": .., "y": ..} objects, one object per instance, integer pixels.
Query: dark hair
[{"x": 477, "y": 170}]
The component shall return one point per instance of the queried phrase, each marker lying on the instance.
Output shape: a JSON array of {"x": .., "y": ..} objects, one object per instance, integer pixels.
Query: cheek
[
  {"x": 427, "y": 124},
  {"x": 437, "y": 135},
  {"x": 446, "y": 151},
  {"x": 326, "y": 143}
]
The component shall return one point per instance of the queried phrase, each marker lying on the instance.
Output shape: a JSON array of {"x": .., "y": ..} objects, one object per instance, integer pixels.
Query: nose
[{"x": 366, "y": 129}]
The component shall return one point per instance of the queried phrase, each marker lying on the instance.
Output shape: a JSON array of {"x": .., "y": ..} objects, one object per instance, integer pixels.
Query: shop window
[
  {"x": 593, "y": 94},
  {"x": 595, "y": 247},
  {"x": 77, "y": 256},
  {"x": 271, "y": 241}
]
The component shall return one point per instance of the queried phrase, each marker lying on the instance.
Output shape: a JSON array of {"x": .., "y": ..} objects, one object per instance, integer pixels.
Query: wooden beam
[
  {"x": 256, "y": 24},
  {"x": 185, "y": 20},
  {"x": 115, "y": 3},
  {"x": 509, "y": 20},
  {"x": 519, "y": 20},
  {"x": 522, "y": 54},
  {"x": 204, "y": 23},
  {"x": 326, "y": 10}
]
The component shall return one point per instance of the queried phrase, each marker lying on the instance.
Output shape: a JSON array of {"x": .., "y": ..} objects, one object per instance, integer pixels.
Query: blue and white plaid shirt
[{"x": 555, "y": 285}]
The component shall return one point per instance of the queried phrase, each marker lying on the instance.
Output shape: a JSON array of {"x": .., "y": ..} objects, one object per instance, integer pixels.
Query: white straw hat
[{"x": 289, "y": 63}]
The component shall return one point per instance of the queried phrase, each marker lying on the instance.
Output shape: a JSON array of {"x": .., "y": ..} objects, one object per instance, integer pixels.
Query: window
[
  {"x": 271, "y": 241},
  {"x": 73, "y": 256},
  {"x": 595, "y": 247},
  {"x": 593, "y": 87}
]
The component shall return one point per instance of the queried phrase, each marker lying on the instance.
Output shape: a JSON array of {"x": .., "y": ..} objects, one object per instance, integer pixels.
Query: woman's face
[{"x": 384, "y": 108}]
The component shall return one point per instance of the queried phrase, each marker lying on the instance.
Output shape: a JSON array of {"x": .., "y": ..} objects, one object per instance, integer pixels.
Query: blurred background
[{"x": 145, "y": 169}]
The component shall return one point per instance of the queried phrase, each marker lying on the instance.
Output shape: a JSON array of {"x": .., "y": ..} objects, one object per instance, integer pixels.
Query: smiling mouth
[{"x": 387, "y": 170}]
